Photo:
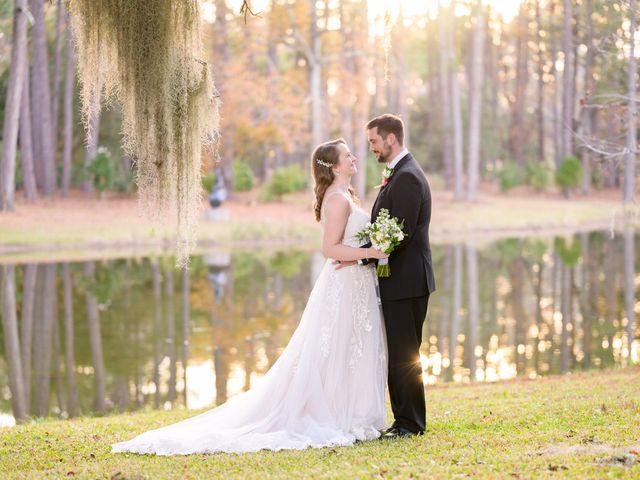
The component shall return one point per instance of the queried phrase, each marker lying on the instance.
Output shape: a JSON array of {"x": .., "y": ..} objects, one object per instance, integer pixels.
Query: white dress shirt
[{"x": 400, "y": 156}]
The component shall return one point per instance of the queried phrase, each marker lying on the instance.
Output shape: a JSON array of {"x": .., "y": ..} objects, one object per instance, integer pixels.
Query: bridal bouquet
[{"x": 385, "y": 234}]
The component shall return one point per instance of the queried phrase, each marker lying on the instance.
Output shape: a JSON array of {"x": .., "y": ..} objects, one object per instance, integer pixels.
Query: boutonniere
[{"x": 386, "y": 175}]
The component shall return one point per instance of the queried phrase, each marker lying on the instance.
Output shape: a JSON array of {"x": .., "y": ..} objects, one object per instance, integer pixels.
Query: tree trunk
[
  {"x": 72, "y": 405},
  {"x": 361, "y": 108},
  {"x": 557, "y": 91},
  {"x": 93, "y": 134},
  {"x": 318, "y": 131},
  {"x": 347, "y": 73},
  {"x": 517, "y": 129},
  {"x": 26, "y": 140},
  {"x": 457, "y": 110},
  {"x": 475, "y": 109},
  {"x": 445, "y": 96},
  {"x": 567, "y": 80},
  {"x": 587, "y": 111},
  {"x": 541, "y": 132},
  {"x": 221, "y": 55},
  {"x": 57, "y": 66},
  {"x": 67, "y": 149},
  {"x": 12, "y": 343},
  {"x": 632, "y": 121},
  {"x": 399, "y": 84},
  {"x": 95, "y": 340},
  {"x": 12, "y": 106},
  {"x": 41, "y": 96}
]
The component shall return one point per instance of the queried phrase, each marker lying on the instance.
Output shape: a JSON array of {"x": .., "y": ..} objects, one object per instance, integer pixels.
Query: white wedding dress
[{"x": 326, "y": 389}]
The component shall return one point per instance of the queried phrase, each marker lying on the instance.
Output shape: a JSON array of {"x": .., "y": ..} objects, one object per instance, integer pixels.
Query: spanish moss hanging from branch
[{"x": 148, "y": 56}]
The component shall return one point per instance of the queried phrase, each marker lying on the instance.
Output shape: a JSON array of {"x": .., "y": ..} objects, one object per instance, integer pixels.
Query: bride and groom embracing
[{"x": 327, "y": 388}]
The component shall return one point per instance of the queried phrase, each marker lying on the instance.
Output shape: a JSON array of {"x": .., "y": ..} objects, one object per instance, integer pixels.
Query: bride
[{"x": 328, "y": 386}]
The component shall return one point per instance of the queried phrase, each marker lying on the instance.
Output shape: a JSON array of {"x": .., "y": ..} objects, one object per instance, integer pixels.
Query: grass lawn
[{"x": 583, "y": 425}]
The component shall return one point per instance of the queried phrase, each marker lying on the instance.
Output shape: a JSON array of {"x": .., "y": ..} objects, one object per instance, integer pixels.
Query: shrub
[
  {"x": 510, "y": 176},
  {"x": 101, "y": 171},
  {"x": 242, "y": 176},
  {"x": 208, "y": 181},
  {"x": 569, "y": 174},
  {"x": 285, "y": 180},
  {"x": 537, "y": 175}
]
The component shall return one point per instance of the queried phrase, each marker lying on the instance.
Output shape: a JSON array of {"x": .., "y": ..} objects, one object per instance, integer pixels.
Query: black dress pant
[{"x": 403, "y": 321}]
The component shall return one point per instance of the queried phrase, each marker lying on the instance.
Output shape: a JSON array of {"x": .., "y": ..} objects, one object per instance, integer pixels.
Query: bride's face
[{"x": 346, "y": 161}]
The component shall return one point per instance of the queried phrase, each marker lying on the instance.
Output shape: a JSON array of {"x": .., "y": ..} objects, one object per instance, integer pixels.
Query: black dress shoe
[{"x": 398, "y": 432}]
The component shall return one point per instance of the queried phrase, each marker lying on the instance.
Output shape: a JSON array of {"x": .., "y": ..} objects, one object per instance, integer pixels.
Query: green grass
[{"x": 574, "y": 426}]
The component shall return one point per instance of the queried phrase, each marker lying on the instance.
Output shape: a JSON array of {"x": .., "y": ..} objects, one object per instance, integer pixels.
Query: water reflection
[{"x": 92, "y": 337}]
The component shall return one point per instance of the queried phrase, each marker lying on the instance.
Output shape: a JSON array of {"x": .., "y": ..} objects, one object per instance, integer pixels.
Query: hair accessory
[{"x": 324, "y": 164}]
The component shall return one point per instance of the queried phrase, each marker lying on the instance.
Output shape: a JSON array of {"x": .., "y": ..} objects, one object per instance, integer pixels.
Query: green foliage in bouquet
[{"x": 385, "y": 234}]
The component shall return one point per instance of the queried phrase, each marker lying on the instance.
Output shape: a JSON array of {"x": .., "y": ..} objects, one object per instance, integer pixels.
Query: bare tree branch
[{"x": 246, "y": 9}]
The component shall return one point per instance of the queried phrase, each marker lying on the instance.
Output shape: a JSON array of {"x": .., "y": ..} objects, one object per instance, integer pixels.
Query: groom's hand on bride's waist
[
  {"x": 344, "y": 263},
  {"x": 366, "y": 261}
]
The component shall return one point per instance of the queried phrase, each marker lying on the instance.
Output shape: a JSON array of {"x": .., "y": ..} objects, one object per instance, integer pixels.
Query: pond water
[{"x": 124, "y": 334}]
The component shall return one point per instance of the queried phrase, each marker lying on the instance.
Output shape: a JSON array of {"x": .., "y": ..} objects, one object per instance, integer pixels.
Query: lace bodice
[{"x": 358, "y": 219}]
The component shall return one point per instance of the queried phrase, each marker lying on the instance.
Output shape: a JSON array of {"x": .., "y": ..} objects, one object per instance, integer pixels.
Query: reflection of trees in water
[
  {"x": 474, "y": 308},
  {"x": 629, "y": 286},
  {"x": 12, "y": 342},
  {"x": 72, "y": 390},
  {"x": 116, "y": 316},
  {"x": 28, "y": 306},
  {"x": 95, "y": 338},
  {"x": 45, "y": 316},
  {"x": 455, "y": 311},
  {"x": 156, "y": 279},
  {"x": 170, "y": 331},
  {"x": 186, "y": 319},
  {"x": 519, "y": 317},
  {"x": 545, "y": 307}
]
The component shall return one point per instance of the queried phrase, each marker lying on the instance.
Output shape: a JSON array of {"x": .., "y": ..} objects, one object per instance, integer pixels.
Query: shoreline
[{"x": 83, "y": 226}]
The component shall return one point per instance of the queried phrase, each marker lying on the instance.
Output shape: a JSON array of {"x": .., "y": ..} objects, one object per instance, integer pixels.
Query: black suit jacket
[{"x": 407, "y": 196}]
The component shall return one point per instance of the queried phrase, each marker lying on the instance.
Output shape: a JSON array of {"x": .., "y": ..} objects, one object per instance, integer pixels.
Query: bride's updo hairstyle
[{"x": 323, "y": 159}]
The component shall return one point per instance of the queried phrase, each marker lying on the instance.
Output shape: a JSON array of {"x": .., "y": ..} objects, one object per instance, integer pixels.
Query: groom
[{"x": 405, "y": 294}]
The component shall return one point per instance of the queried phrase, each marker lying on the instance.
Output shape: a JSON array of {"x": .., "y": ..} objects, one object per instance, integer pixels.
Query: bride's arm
[{"x": 337, "y": 210}]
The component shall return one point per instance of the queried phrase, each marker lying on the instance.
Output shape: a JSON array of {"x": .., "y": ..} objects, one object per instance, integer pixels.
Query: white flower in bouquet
[{"x": 385, "y": 234}]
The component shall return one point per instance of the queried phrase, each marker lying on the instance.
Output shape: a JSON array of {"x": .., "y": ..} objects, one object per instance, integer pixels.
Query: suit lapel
[{"x": 401, "y": 164}]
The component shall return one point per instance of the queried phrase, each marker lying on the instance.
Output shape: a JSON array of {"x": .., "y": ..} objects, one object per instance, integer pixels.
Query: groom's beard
[{"x": 385, "y": 155}]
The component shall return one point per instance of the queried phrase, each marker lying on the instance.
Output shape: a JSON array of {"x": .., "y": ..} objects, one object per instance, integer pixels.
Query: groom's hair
[{"x": 387, "y": 124}]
